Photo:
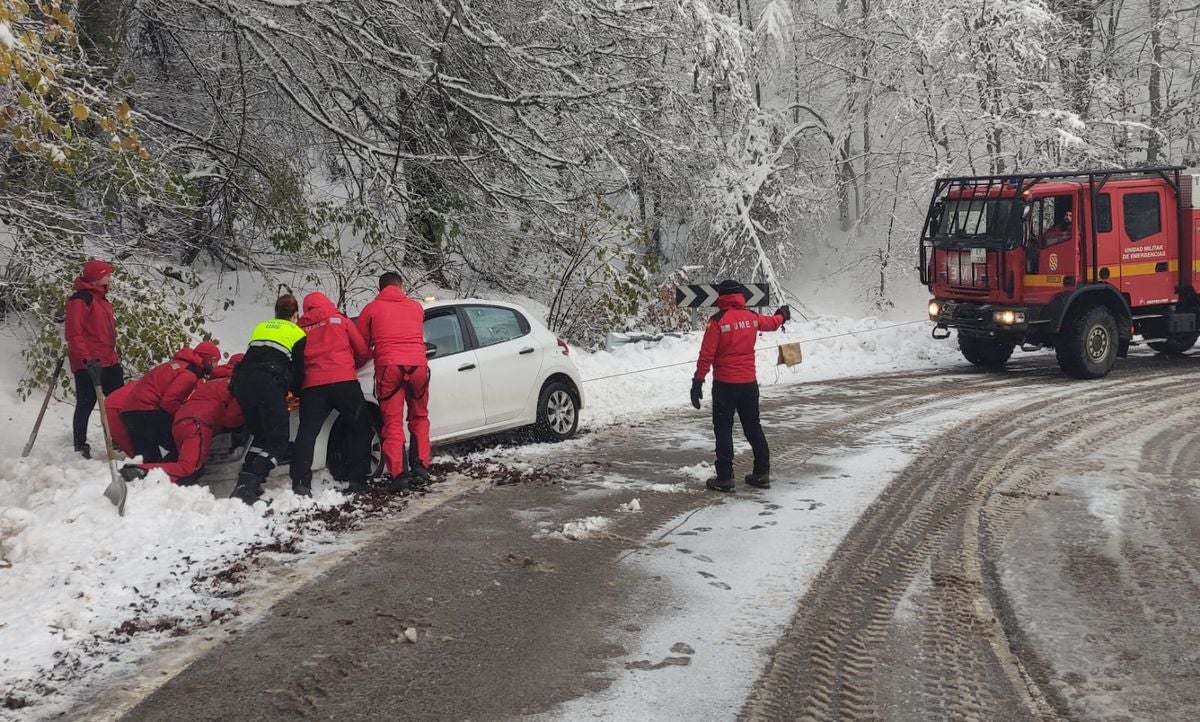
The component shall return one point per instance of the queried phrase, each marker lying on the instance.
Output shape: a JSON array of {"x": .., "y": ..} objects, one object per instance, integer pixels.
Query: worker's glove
[
  {"x": 93, "y": 369},
  {"x": 697, "y": 391},
  {"x": 784, "y": 312}
]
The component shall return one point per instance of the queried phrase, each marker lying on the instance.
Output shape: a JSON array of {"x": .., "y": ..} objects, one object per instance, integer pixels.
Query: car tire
[
  {"x": 557, "y": 412},
  {"x": 339, "y": 446}
]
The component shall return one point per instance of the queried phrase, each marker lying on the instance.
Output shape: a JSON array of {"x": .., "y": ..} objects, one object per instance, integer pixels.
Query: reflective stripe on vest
[{"x": 279, "y": 334}]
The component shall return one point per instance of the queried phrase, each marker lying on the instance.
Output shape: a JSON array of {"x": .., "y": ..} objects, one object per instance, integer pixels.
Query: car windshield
[{"x": 980, "y": 221}]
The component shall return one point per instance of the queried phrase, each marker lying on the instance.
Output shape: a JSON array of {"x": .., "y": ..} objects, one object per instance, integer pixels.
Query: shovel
[
  {"x": 116, "y": 491},
  {"x": 41, "y": 414}
]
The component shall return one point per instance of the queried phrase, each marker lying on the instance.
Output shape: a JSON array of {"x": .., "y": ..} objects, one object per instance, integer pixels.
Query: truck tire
[
  {"x": 1088, "y": 346},
  {"x": 1176, "y": 344},
  {"x": 986, "y": 353}
]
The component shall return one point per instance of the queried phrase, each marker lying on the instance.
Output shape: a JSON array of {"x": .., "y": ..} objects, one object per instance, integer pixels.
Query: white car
[{"x": 493, "y": 367}]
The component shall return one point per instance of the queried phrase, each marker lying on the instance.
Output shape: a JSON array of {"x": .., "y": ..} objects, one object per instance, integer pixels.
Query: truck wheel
[
  {"x": 1088, "y": 348},
  {"x": 1176, "y": 344},
  {"x": 987, "y": 353}
]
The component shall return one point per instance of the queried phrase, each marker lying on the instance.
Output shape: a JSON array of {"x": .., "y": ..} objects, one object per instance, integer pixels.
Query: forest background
[{"x": 585, "y": 154}]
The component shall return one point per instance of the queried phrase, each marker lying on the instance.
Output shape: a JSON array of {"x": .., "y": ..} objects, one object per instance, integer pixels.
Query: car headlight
[
  {"x": 935, "y": 309},
  {"x": 1008, "y": 318}
]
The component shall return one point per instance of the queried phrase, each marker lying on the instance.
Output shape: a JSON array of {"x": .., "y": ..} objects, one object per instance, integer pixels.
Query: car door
[
  {"x": 510, "y": 358},
  {"x": 455, "y": 382}
]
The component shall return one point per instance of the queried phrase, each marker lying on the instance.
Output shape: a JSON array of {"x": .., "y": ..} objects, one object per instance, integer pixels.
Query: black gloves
[
  {"x": 697, "y": 391},
  {"x": 784, "y": 311},
  {"x": 93, "y": 369}
]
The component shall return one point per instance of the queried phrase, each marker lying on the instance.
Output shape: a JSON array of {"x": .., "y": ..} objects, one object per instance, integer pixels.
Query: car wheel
[
  {"x": 340, "y": 447},
  {"x": 558, "y": 412}
]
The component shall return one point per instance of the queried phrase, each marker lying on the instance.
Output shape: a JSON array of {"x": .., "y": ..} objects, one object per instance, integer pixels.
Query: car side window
[
  {"x": 445, "y": 331},
  {"x": 494, "y": 324},
  {"x": 1142, "y": 217}
]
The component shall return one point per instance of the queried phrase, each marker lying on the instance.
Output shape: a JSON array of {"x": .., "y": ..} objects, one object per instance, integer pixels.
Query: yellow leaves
[
  {"x": 123, "y": 110},
  {"x": 79, "y": 111}
]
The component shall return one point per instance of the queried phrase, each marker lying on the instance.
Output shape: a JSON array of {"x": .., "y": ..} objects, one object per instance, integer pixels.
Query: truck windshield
[{"x": 980, "y": 221}]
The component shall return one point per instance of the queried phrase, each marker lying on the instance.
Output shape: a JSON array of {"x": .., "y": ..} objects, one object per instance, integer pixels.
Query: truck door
[
  {"x": 1051, "y": 246},
  {"x": 1149, "y": 260}
]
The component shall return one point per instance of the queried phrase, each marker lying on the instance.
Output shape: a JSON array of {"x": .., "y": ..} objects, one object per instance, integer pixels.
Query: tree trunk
[
  {"x": 102, "y": 25},
  {"x": 1154, "y": 145}
]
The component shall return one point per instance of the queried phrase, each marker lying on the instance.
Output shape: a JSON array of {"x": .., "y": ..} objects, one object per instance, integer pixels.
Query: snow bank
[
  {"x": 78, "y": 583},
  {"x": 640, "y": 378}
]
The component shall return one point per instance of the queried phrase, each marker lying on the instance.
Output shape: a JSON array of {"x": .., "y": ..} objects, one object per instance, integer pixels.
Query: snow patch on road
[{"x": 576, "y": 530}]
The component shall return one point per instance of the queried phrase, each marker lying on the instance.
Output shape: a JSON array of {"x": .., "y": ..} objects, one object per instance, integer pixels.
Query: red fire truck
[{"x": 1082, "y": 262}]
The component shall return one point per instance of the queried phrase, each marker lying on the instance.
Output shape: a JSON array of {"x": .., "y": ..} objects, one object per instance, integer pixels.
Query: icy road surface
[{"x": 942, "y": 545}]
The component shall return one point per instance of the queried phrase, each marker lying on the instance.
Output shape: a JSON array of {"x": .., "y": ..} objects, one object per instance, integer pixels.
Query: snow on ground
[
  {"x": 76, "y": 581},
  {"x": 640, "y": 378},
  {"x": 738, "y": 570}
]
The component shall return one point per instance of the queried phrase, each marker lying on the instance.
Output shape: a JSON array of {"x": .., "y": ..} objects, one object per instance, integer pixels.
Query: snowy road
[{"x": 935, "y": 546}]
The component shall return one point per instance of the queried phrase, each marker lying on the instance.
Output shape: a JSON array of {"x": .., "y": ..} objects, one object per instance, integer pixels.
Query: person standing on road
[
  {"x": 728, "y": 349},
  {"x": 393, "y": 326},
  {"x": 209, "y": 410},
  {"x": 334, "y": 350},
  {"x": 91, "y": 334},
  {"x": 151, "y": 407},
  {"x": 272, "y": 366}
]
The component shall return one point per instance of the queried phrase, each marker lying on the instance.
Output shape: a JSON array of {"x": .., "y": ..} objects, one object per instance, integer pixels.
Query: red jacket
[
  {"x": 393, "y": 325},
  {"x": 91, "y": 329},
  {"x": 212, "y": 403},
  {"x": 728, "y": 346},
  {"x": 168, "y": 385},
  {"x": 334, "y": 348}
]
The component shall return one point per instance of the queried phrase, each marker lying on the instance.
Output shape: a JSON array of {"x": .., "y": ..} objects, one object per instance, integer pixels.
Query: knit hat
[
  {"x": 95, "y": 269},
  {"x": 208, "y": 352},
  {"x": 729, "y": 286}
]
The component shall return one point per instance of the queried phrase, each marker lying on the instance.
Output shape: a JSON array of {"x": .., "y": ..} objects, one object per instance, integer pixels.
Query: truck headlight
[
  {"x": 935, "y": 309},
  {"x": 1008, "y": 318}
]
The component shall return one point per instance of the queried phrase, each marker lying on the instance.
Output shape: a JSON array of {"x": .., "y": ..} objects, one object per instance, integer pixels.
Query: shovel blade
[{"x": 116, "y": 493}]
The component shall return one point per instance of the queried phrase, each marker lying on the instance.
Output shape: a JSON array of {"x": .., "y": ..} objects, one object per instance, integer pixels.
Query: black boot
[
  {"x": 399, "y": 484},
  {"x": 723, "y": 485},
  {"x": 759, "y": 479},
  {"x": 84, "y": 450},
  {"x": 302, "y": 488},
  {"x": 130, "y": 472},
  {"x": 249, "y": 487},
  {"x": 357, "y": 487},
  {"x": 420, "y": 477}
]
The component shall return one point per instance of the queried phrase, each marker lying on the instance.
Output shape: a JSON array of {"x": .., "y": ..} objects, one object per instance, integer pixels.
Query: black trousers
[
  {"x": 262, "y": 394},
  {"x": 111, "y": 379},
  {"x": 741, "y": 399},
  {"x": 148, "y": 431},
  {"x": 316, "y": 403}
]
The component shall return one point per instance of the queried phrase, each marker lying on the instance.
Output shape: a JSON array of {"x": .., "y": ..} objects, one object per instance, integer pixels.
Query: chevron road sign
[{"x": 705, "y": 294}]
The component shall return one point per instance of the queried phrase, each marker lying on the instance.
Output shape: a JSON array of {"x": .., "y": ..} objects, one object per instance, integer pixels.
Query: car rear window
[{"x": 494, "y": 324}]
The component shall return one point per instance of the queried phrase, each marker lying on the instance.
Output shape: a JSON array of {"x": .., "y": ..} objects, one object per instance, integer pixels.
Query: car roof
[{"x": 443, "y": 303}]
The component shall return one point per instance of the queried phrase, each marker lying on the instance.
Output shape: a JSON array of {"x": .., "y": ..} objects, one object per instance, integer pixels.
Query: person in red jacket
[
  {"x": 209, "y": 410},
  {"x": 333, "y": 353},
  {"x": 114, "y": 404},
  {"x": 151, "y": 407},
  {"x": 91, "y": 333},
  {"x": 728, "y": 349},
  {"x": 393, "y": 326}
]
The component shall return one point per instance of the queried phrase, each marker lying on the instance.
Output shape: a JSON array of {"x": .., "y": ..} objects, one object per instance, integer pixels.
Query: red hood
[
  {"x": 317, "y": 308},
  {"x": 82, "y": 285},
  {"x": 188, "y": 356},
  {"x": 731, "y": 300}
]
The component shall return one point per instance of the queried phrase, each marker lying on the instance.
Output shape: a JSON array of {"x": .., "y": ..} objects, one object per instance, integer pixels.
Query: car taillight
[{"x": 563, "y": 345}]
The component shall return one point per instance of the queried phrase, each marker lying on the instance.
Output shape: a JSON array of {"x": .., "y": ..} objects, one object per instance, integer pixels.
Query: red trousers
[
  {"x": 193, "y": 439},
  {"x": 397, "y": 387}
]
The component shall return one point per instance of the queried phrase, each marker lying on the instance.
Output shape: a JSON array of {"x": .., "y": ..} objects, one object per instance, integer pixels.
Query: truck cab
[{"x": 1080, "y": 262}]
